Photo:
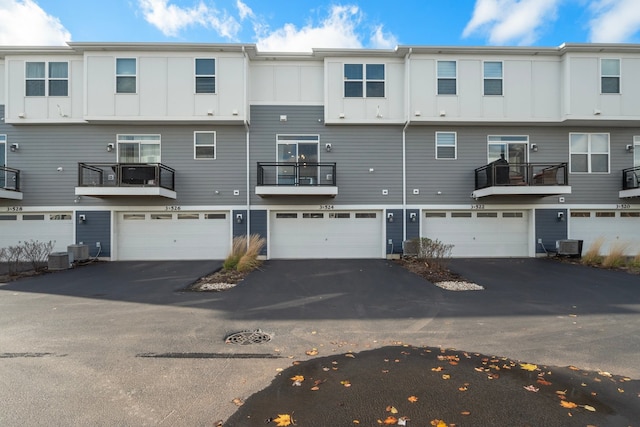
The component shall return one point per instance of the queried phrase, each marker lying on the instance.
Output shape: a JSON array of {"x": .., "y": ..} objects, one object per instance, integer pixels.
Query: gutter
[
  {"x": 404, "y": 146},
  {"x": 246, "y": 128}
]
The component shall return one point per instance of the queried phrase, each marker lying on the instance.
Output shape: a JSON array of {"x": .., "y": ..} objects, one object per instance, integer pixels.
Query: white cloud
[
  {"x": 25, "y": 23},
  {"x": 511, "y": 21},
  {"x": 244, "y": 10},
  {"x": 615, "y": 21},
  {"x": 171, "y": 19},
  {"x": 341, "y": 29}
]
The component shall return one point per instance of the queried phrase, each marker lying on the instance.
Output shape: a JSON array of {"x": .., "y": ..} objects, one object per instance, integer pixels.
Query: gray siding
[
  {"x": 355, "y": 150},
  {"x": 43, "y": 149},
  {"x": 96, "y": 228},
  {"x": 454, "y": 179},
  {"x": 394, "y": 231},
  {"x": 259, "y": 226},
  {"x": 549, "y": 228}
]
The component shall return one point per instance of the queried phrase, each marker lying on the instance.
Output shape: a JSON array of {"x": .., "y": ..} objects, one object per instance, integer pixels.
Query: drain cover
[{"x": 248, "y": 337}]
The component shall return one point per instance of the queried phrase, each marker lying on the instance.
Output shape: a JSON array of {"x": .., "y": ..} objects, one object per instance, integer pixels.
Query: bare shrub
[
  {"x": 592, "y": 256},
  {"x": 434, "y": 252},
  {"x": 13, "y": 256},
  {"x": 37, "y": 253},
  {"x": 616, "y": 257}
]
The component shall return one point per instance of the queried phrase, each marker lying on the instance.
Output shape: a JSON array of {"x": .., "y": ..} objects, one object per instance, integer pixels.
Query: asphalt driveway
[{"x": 121, "y": 344}]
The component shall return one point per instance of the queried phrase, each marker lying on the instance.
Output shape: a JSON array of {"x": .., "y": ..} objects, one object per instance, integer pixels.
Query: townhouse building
[{"x": 157, "y": 151}]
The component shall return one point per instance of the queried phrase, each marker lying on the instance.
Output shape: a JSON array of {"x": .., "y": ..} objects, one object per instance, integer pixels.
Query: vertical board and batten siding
[
  {"x": 530, "y": 89},
  {"x": 239, "y": 229},
  {"x": 286, "y": 83},
  {"x": 259, "y": 225},
  {"x": 549, "y": 228},
  {"x": 165, "y": 87},
  {"x": 391, "y": 107},
  {"x": 43, "y": 149},
  {"x": 584, "y": 93},
  {"x": 394, "y": 231},
  {"x": 355, "y": 150},
  {"x": 96, "y": 228}
]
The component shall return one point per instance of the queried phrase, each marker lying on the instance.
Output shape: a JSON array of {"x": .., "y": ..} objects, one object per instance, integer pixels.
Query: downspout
[
  {"x": 404, "y": 145},
  {"x": 246, "y": 129}
]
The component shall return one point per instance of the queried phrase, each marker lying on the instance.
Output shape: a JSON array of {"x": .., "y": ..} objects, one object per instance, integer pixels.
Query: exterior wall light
[
  {"x": 110, "y": 147},
  {"x": 328, "y": 148},
  {"x": 14, "y": 147},
  {"x": 239, "y": 218},
  {"x": 390, "y": 217},
  {"x": 534, "y": 147},
  {"x": 629, "y": 148},
  {"x": 413, "y": 217}
]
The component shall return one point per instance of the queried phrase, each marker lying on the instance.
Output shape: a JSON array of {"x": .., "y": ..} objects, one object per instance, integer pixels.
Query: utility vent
[
  {"x": 58, "y": 261},
  {"x": 569, "y": 247},
  {"x": 78, "y": 252},
  {"x": 410, "y": 247}
]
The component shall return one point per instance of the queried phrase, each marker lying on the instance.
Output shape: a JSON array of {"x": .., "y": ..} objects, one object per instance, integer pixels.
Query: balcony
[
  {"x": 630, "y": 183},
  {"x": 521, "y": 179},
  {"x": 10, "y": 183},
  {"x": 296, "y": 179},
  {"x": 125, "y": 179}
]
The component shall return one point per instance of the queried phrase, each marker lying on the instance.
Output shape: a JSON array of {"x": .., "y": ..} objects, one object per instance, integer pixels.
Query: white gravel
[
  {"x": 459, "y": 286},
  {"x": 214, "y": 286}
]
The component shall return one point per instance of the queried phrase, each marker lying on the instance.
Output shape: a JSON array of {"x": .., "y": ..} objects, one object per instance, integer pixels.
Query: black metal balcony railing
[
  {"x": 297, "y": 174},
  {"x": 126, "y": 175},
  {"x": 9, "y": 179},
  {"x": 521, "y": 174},
  {"x": 631, "y": 178}
]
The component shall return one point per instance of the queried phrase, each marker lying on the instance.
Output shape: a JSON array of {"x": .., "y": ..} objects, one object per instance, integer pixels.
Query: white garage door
[
  {"x": 480, "y": 233},
  {"x": 326, "y": 235},
  {"x": 613, "y": 227},
  {"x": 172, "y": 236},
  {"x": 42, "y": 227}
]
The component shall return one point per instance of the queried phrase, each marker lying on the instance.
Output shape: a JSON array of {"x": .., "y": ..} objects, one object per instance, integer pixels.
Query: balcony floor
[
  {"x": 125, "y": 191},
  {"x": 625, "y": 194},
  {"x": 11, "y": 195},
  {"x": 292, "y": 190},
  {"x": 519, "y": 190}
]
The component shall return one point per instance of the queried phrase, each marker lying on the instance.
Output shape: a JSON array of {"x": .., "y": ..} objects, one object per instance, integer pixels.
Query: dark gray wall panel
[
  {"x": 549, "y": 228},
  {"x": 259, "y": 226},
  {"x": 239, "y": 229},
  {"x": 394, "y": 231},
  {"x": 96, "y": 228},
  {"x": 413, "y": 228}
]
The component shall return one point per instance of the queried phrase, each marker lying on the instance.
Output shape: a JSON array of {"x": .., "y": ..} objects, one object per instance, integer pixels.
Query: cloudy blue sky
[{"x": 299, "y": 25}]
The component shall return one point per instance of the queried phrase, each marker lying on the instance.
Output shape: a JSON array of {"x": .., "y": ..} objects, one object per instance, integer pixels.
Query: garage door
[
  {"x": 171, "y": 236},
  {"x": 326, "y": 235},
  {"x": 480, "y": 234},
  {"x": 42, "y": 227},
  {"x": 621, "y": 227}
]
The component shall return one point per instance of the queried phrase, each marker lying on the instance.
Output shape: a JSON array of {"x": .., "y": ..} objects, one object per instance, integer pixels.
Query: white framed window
[
  {"x": 364, "y": 81},
  {"x": 446, "y": 145},
  {"x": 126, "y": 75},
  {"x": 302, "y": 152},
  {"x": 3, "y": 150},
  {"x": 609, "y": 75},
  {"x": 204, "y": 145},
  {"x": 589, "y": 152},
  {"x": 636, "y": 151},
  {"x": 138, "y": 148},
  {"x": 512, "y": 148},
  {"x": 447, "y": 72},
  {"x": 205, "y": 75},
  {"x": 492, "y": 75},
  {"x": 46, "y": 79}
]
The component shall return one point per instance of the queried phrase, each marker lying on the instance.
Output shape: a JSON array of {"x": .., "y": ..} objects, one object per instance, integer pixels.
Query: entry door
[
  {"x": 636, "y": 151},
  {"x": 303, "y": 151},
  {"x": 511, "y": 148},
  {"x": 3, "y": 160}
]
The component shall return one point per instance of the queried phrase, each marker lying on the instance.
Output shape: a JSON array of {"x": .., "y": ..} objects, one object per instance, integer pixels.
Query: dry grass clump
[
  {"x": 616, "y": 257},
  {"x": 244, "y": 254},
  {"x": 592, "y": 256}
]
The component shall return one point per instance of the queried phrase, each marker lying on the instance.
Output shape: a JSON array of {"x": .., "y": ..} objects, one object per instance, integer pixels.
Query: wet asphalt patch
[
  {"x": 17, "y": 355},
  {"x": 404, "y": 385}
]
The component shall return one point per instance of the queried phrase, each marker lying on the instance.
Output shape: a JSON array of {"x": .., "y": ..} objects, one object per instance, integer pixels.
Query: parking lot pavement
[{"x": 120, "y": 343}]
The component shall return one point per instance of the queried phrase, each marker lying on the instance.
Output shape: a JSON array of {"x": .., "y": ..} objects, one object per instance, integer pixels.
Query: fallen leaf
[
  {"x": 412, "y": 399},
  {"x": 312, "y": 352},
  {"x": 298, "y": 378},
  {"x": 531, "y": 388},
  {"x": 589, "y": 408},
  {"x": 528, "y": 366},
  {"x": 620, "y": 390},
  {"x": 402, "y": 421},
  {"x": 438, "y": 369},
  {"x": 345, "y": 383},
  {"x": 390, "y": 421},
  {"x": 465, "y": 413},
  {"x": 237, "y": 401},
  {"x": 605, "y": 374},
  {"x": 392, "y": 409},
  {"x": 385, "y": 371},
  {"x": 283, "y": 420},
  {"x": 464, "y": 388},
  {"x": 438, "y": 423},
  {"x": 315, "y": 388},
  {"x": 350, "y": 355},
  {"x": 446, "y": 376},
  {"x": 356, "y": 422},
  {"x": 543, "y": 381},
  {"x": 561, "y": 392},
  {"x": 567, "y": 404},
  {"x": 573, "y": 368}
]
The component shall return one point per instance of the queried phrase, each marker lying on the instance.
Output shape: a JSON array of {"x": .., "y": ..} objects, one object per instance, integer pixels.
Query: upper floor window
[
  {"x": 126, "y": 75},
  {"x": 138, "y": 148},
  {"x": 364, "y": 80},
  {"x": 445, "y": 145},
  {"x": 493, "y": 78},
  {"x": 447, "y": 77},
  {"x": 610, "y": 75},
  {"x": 47, "y": 79},
  {"x": 205, "y": 75},
  {"x": 204, "y": 145},
  {"x": 589, "y": 152}
]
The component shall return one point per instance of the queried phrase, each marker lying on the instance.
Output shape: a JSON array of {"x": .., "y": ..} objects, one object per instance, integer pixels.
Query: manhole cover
[{"x": 248, "y": 337}]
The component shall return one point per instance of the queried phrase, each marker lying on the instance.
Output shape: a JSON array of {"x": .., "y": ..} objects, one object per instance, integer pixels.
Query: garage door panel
[
  {"x": 479, "y": 234},
  {"x": 42, "y": 227},
  {"x": 297, "y": 235},
  {"x": 173, "y": 236},
  {"x": 613, "y": 227}
]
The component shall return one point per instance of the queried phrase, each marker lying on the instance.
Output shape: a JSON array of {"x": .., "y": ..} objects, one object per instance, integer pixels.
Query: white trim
[
  {"x": 455, "y": 145},
  {"x": 533, "y": 190},
  {"x": 493, "y": 78},
  {"x": 125, "y": 191},
  {"x": 116, "y": 75},
  {"x": 589, "y": 153},
  {"x": 215, "y": 145},
  {"x": 291, "y": 190},
  {"x": 438, "y": 77},
  {"x": 619, "y": 76},
  {"x": 214, "y": 75}
]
